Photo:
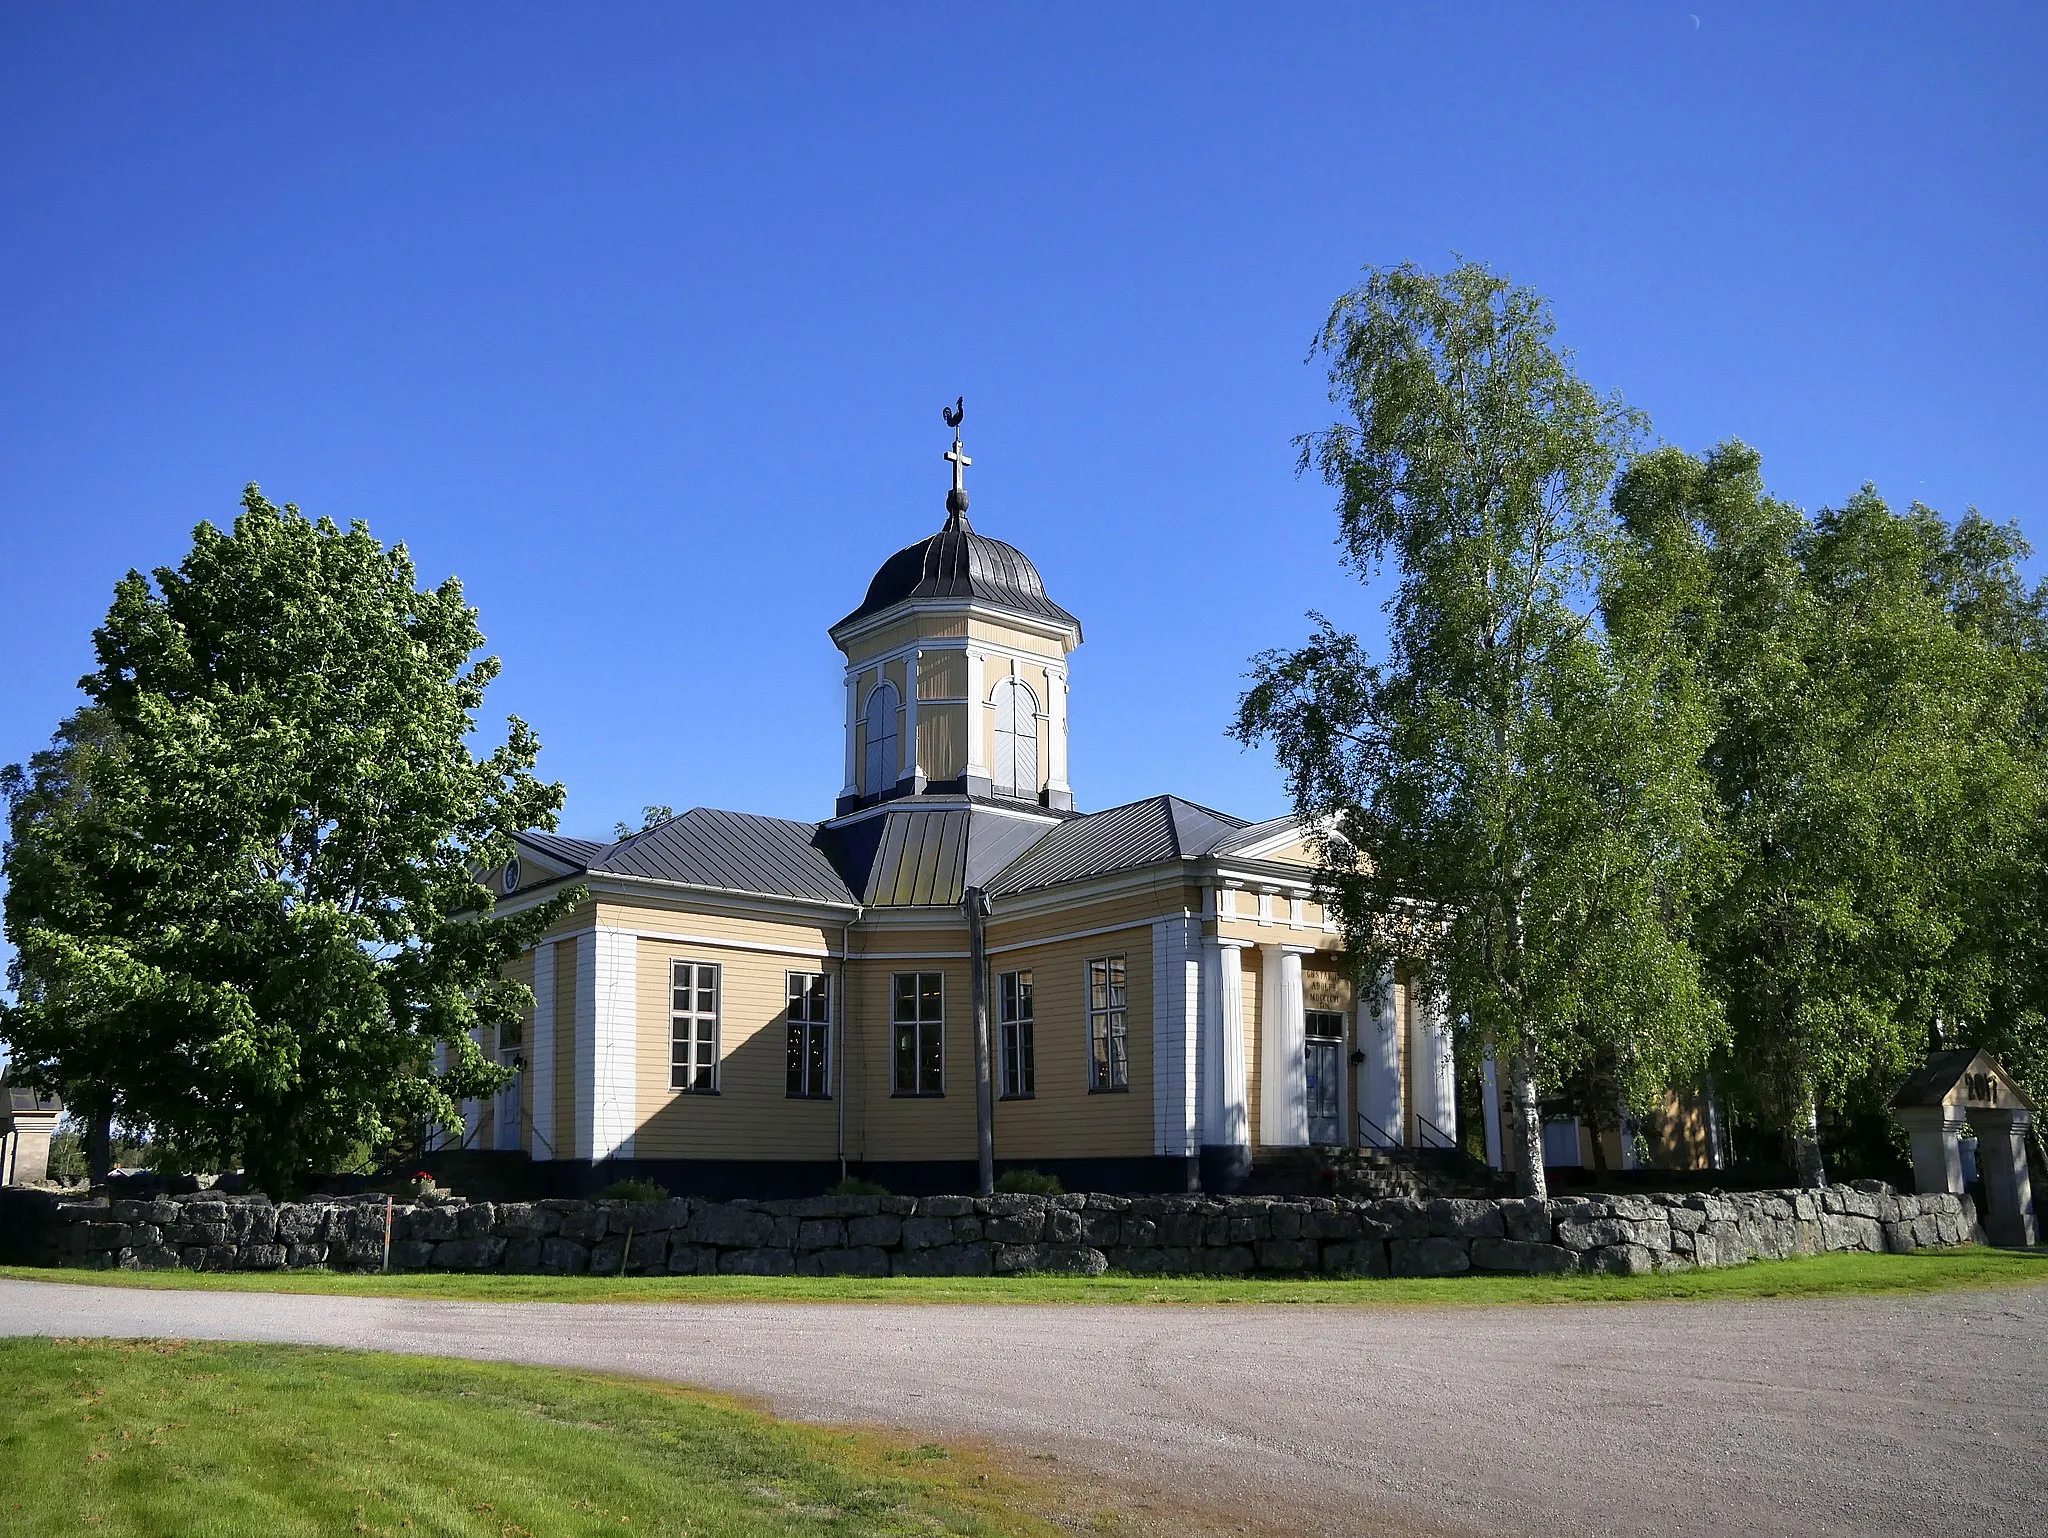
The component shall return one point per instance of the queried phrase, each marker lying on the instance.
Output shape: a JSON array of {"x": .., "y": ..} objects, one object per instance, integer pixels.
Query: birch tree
[
  {"x": 1875, "y": 683},
  {"x": 1511, "y": 785}
]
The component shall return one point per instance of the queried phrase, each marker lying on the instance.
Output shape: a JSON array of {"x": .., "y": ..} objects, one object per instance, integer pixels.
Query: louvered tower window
[
  {"x": 1015, "y": 770},
  {"x": 882, "y": 757}
]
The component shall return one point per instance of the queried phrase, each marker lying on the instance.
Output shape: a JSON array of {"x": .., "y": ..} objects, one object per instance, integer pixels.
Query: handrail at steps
[
  {"x": 1372, "y": 1135},
  {"x": 1429, "y": 1135}
]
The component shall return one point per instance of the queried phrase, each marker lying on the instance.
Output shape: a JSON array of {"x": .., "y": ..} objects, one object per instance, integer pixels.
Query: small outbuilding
[
  {"x": 28, "y": 1120},
  {"x": 1965, "y": 1086}
]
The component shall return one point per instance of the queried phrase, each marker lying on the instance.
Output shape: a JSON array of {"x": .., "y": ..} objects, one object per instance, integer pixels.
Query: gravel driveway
[{"x": 1920, "y": 1415}]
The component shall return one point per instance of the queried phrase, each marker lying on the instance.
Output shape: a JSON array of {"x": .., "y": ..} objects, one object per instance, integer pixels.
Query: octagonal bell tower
[{"x": 956, "y": 671}]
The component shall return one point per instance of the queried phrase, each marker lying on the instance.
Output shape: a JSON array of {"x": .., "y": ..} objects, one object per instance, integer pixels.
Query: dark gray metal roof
[
  {"x": 732, "y": 850},
  {"x": 575, "y": 851},
  {"x": 1253, "y": 833},
  {"x": 956, "y": 562},
  {"x": 921, "y": 855},
  {"x": 1122, "y": 838},
  {"x": 918, "y": 854}
]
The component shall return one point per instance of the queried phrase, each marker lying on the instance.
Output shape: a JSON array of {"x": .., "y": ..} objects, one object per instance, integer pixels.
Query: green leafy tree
[
  {"x": 650, "y": 817},
  {"x": 244, "y": 885},
  {"x": 1877, "y": 757},
  {"x": 52, "y": 871},
  {"x": 1513, "y": 800}
]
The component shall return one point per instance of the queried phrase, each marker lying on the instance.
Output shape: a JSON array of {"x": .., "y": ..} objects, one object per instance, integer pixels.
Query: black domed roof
[{"x": 956, "y": 562}]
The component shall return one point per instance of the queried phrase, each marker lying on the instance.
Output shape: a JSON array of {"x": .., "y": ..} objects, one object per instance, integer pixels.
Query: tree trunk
[
  {"x": 1806, "y": 1156},
  {"x": 1529, "y": 1178},
  {"x": 99, "y": 1146}
]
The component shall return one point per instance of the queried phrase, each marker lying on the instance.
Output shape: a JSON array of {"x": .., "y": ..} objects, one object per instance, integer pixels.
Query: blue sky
[{"x": 639, "y": 318}]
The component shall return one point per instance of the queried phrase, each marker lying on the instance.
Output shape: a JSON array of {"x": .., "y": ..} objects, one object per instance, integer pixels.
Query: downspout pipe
[
  {"x": 843, "y": 1001},
  {"x": 976, "y": 904}
]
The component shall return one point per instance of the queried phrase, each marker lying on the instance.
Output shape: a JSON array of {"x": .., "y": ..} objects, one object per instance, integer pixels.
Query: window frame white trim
[
  {"x": 895, "y": 735},
  {"x": 717, "y": 1027},
  {"x": 789, "y": 975},
  {"x": 896, "y": 1092},
  {"x": 1027, "y": 1054},
  {"x": 1089, "y": 1012}
]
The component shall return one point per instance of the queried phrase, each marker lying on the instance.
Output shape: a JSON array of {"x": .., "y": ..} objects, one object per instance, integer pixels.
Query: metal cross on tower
[{"x": 960, "y": 463}]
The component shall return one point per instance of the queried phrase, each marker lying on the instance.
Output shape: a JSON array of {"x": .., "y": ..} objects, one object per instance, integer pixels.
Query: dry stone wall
[{"x": 994, "y": 1235}]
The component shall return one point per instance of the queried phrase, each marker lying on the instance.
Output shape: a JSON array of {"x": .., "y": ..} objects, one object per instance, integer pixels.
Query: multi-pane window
[
  {"x": 810, "y": 1032},
  {"x": 1014, "y": 1020},
  {"x": 1109, "y": 1045},
  {"x": 693, "y": 1026},
  {"x": 918, "y": 1012},
  {"x": 1322, "y": 1022}
]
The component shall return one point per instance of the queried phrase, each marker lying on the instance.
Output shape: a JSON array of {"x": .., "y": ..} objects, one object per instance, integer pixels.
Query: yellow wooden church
[{"x": 750, "y": 1005}]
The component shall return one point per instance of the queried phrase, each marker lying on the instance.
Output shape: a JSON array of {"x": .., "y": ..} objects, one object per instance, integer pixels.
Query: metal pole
[
  {"x": 984, "y": 1086},
  {"x": 840, "y": 1004}
]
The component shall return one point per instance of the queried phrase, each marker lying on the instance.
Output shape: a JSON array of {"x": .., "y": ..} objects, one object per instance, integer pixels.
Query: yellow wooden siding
[
  {"x": 905, "y": 631},
  {"x": 751, "y": 1115},
  {"x": 1016, "y": 640},
  {"x": 942, "y": 741},
  {"x": 808, "y": 937},
  {"x": 942, "y": 675},
  {"x": 1066, "y": 1119},
  {"x": 1168, "y": 898},
  {"x": 906, "y": 1127},
  {"x": 946, "y": 940}
]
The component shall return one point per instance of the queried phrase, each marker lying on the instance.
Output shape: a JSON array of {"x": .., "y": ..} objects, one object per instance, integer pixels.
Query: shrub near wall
[{"x": 995, "y": 1235}]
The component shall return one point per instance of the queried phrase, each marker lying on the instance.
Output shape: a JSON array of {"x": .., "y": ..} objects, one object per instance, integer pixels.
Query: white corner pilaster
[
  {"x": 1379, "y": 1076},
  {"x": 1283, "y": 1069},
  {"x": 977, "y": 712},
  {"x": 907, "y": 757},
  {"x": 1056, "y": 731},
  {"x": 852, "y": 787},
  {"x": 1226, "y": 1110},
  {"x": 540, "y": 1053},
  {"x": 1176, "y": 1035}
]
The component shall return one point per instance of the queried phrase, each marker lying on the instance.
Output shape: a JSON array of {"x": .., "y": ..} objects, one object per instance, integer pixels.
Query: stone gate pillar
[
  {"x": 2009, "y": 1217},
  {"x": 1937, "y": 1152}
]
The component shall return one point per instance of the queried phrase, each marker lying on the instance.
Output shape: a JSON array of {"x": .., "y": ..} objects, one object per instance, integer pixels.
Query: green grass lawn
[
  {"x": 1925, "y": 1271},
  {"x": 150, "y": 1438}
]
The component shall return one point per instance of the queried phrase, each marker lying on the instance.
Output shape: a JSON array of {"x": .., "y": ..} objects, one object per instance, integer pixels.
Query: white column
[
  {"x": 1432, "y": 1065},
  {"x": 1056, "y": 749},
  {"x": 977, "y": 713},
  {"x": 1283, "y": 1076},
  {"x": 1379, "y": 1076},
  {"x": 852, "y": 728},
  {"x": 1176, "y": 1035},
  {"x": 1489, "y": 1101},
  {"x": 1226, "y": 1113},
  {"x": 614, "y": 1113},
  {"x": 907, "y": 757}
]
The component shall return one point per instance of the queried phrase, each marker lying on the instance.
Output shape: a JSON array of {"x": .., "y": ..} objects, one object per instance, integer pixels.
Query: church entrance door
[{"x": 1324, "y": 1065}]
